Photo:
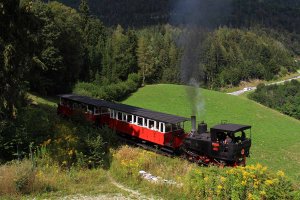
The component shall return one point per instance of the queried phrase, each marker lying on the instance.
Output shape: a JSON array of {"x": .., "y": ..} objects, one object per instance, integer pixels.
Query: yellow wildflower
[
  {"x": 280, "y": 173},
  {"x": 205, "y": 178},
  {"x": 70, "y": 152},
  {"x": 231, "y": 171},
  {"x": 263, "y": 193},
  {"x": 252, "y": 167},
  {"x": 269, "y": 182},
  {"x": 245, "y": 174},
  {"x": 244, "y": 183},
  {"x": 220, "y": 187},
  {"x": 223, "y": 179},
  {"x": 264, "y": 169},
  {"x": 259, "y": 166},
  {"x": 250, "y": 196},
  {"x": 256, "y": 183}
]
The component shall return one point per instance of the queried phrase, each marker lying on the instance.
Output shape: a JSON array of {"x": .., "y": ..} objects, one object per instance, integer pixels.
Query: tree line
[{"x": 284, "y": 98}]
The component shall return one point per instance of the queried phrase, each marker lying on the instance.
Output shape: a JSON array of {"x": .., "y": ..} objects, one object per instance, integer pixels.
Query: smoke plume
[{"x": 196, "y": 18}]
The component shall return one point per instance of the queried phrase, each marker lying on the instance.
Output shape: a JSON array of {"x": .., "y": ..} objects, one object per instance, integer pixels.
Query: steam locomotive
[{"x": 225, "y": 144}]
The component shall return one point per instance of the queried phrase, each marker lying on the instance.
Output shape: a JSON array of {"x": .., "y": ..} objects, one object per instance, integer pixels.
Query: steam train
[{"x": 225, "y": 144}]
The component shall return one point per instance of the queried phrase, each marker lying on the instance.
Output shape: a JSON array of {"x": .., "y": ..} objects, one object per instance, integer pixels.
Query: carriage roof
[{"x": 149, "y": 114}]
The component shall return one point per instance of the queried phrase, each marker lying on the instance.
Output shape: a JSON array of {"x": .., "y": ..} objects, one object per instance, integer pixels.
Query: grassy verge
[{"x": 19, "y": 180}]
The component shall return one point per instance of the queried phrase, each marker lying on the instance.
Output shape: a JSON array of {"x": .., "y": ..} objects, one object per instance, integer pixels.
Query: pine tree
[{"x": 84, "y": 11}]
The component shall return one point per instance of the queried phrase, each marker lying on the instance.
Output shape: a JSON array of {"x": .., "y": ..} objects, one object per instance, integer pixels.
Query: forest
[
  {"x": 49, "y": 48},
  {"x": 284, "y": 98}
]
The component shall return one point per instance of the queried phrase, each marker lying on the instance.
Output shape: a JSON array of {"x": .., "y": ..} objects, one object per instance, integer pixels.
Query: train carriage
[{"x": 155, "y": 127}]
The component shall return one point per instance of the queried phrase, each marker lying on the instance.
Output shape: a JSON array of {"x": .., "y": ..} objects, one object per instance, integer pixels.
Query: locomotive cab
[{"x": 231, "y": 142}]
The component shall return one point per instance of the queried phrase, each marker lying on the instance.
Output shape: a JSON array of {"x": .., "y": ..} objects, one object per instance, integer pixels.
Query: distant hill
[
  {"x": 278, "y": 14},
  {"x": 275, "y": 136},
  {"x": 127, "y": 12}
]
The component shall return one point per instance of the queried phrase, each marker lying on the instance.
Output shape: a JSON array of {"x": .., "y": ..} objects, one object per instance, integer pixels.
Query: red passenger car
[{"x": 158, "y": 128}]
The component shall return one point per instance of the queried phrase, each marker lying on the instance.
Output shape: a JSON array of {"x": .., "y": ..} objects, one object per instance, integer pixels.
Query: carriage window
[
  {"x": 104, "y": 110},
  {"x": 113, "y": 114},
  {"x": 89, "y": 108},
  {"x": 179, "y": 125},
  {"x": 174, "y": 127},
  {"x": 134, "y": 119},
  {"x": 124, "y": 117},
  {"x": 75, "y": 105},
  {"x": 168, "y": 128},
  {"x": 140, "y": 121},
  {"x": 162, "y": 127},
  {"x": 66, "y": 103},
  {"x": 151, "y": 125},
  {"x": 96, "y": 111},
  {"x": 129, "y": 119},
  {"x": 119, "y": 116}
]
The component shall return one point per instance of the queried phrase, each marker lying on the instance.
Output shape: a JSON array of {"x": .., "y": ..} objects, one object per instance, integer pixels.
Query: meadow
[{"x": 275, "y": 136}]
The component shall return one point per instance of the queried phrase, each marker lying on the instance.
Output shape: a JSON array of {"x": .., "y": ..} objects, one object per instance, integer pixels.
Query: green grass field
[{"x": 276, "y": 137}]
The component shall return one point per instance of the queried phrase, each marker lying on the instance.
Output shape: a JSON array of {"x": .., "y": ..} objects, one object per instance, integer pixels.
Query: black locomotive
[{"x": 225, "y": 144}]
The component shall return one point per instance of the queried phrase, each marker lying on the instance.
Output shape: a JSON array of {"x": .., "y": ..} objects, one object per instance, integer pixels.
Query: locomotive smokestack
[{"x": 193, "y": 121}]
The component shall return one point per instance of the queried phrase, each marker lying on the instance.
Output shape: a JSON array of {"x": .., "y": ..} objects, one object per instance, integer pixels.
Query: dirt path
[
  {"x": 133, "y": 193},
  {"x": 127, "y": 194}
]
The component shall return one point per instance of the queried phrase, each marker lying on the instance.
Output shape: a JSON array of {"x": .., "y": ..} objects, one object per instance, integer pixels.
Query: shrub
[
  {"x": 111, "y": 92},
  {"x": 21, "y": 178}
]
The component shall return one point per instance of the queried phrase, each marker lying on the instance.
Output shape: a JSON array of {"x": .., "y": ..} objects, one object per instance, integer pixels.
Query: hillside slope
[{"x": 275, "y": 136}]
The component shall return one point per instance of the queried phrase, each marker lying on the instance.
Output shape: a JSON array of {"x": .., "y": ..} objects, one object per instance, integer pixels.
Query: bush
[
  {"x": 21, "y": 178},
  {"x": 110, "y": 92},
  {"x": 32, "y": 125}
]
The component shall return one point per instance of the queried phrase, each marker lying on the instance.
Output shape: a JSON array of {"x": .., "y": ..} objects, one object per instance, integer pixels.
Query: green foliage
[
  {"x": 285, "y": 98},
  {"x": 233, "y": 55},
  {"x": 112, "y": 92},
  {"x": 58, "y": 55},
  {"x": 15, "y": 56},
  {"x": 120, "y": 59},
  {"x": 158, "y": 57}
]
